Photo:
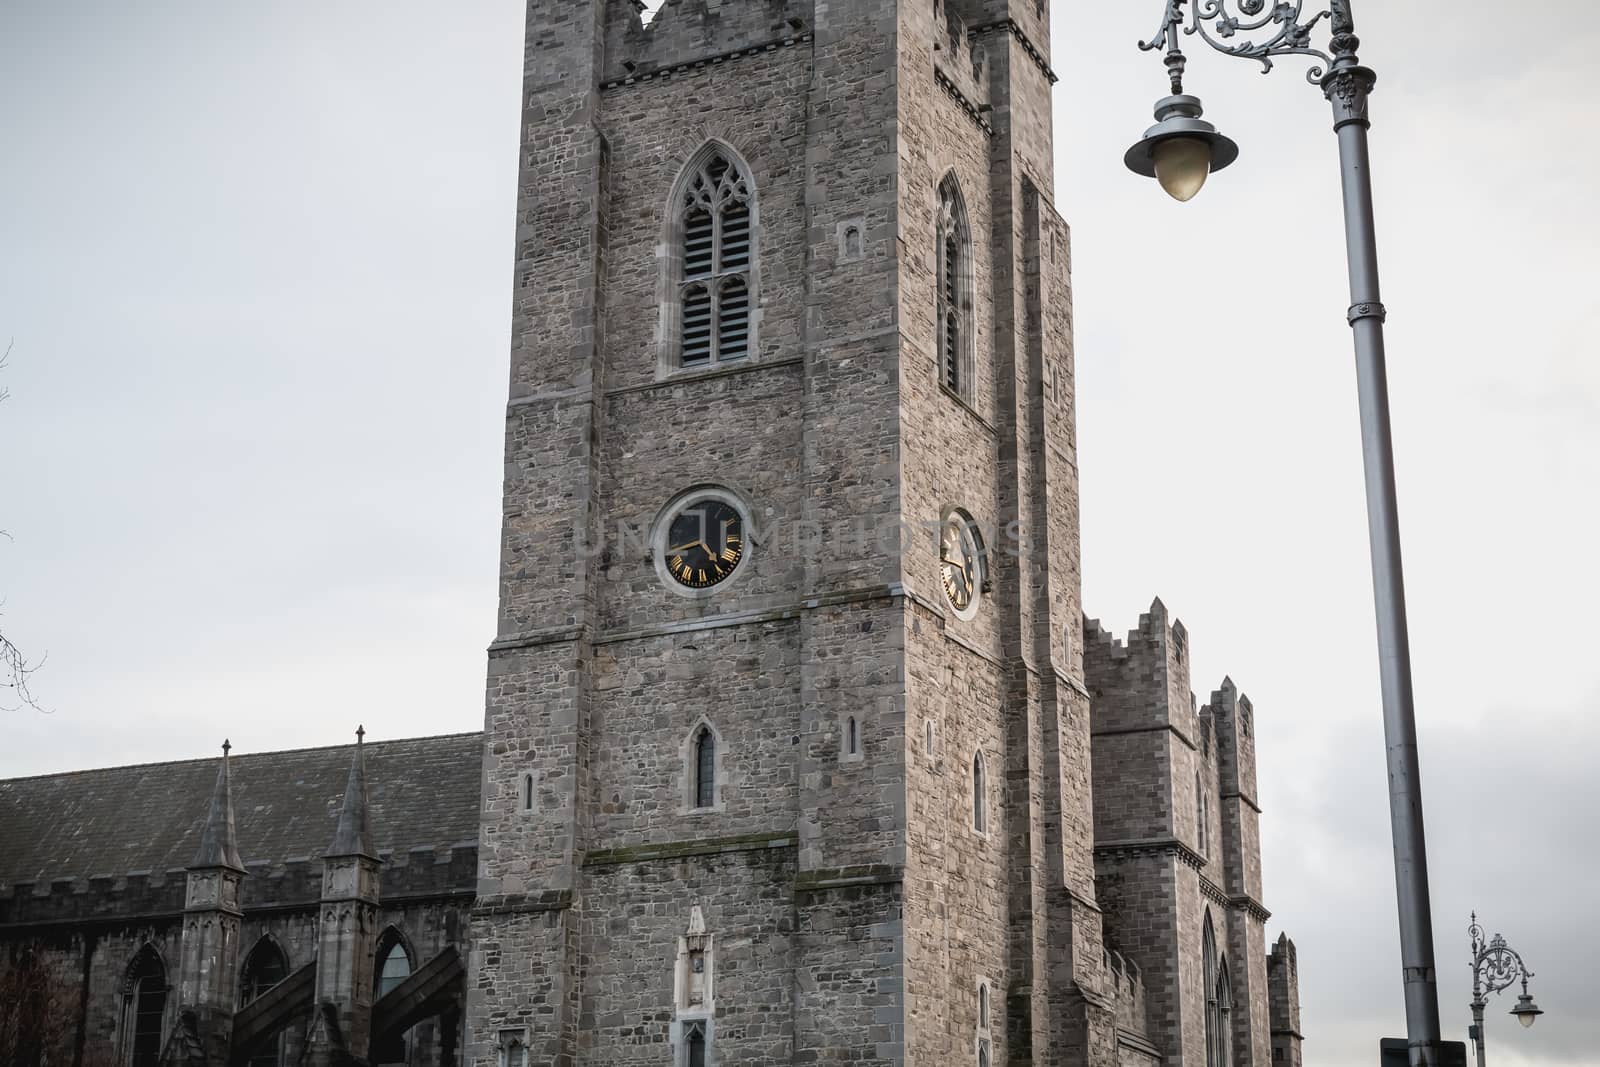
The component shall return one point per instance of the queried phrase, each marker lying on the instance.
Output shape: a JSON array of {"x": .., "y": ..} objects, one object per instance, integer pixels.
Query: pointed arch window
[
  {"x": 980, "y": 799},
  {"x": 954, "y": 297},
  {"x": 264, "y": 968},
  {"x": 705, "y": 768},
  {"x": 394, "y": 963},
  {"x": 1201, "y": 825},
  {"x": 146, "y": 1008},
  {"x": 714, "y": 240},
  {"x": 694, "y": 1044},
  {"x": 1219, "y": 999}
]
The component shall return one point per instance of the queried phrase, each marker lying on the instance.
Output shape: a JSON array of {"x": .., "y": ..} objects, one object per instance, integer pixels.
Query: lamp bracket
[{"x": 1260, "y": 30}]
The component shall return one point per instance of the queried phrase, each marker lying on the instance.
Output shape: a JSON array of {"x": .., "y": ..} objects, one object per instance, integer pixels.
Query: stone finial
[
  {"x": 218, "y": 846},
  {"x": 353, "y": 836}
]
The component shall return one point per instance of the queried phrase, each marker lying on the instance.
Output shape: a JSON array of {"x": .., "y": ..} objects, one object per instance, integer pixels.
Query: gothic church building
[{"x": 797, "y": 746}]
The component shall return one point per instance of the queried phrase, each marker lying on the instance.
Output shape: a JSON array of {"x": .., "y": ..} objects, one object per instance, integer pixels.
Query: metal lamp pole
[
  {"x": 1179, "y": 151},
  {"x": 1495, "y": 965}
]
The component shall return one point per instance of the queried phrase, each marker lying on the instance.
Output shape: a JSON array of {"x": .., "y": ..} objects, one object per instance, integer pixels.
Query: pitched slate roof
[{"x": 422, "y": 793}]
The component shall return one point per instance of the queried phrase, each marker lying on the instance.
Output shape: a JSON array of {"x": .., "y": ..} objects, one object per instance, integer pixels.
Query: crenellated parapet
[
  {"x": 960, "y": 62},
  {"x": 1283, "y": 1002},
  {"x": 1125, "y": 984},
  {"x": 686, "y": 35},
  {"x": 1142, "y": 680}
]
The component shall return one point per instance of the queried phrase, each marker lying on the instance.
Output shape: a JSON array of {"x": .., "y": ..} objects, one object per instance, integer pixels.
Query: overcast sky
[{"x": 256, "y": 262}]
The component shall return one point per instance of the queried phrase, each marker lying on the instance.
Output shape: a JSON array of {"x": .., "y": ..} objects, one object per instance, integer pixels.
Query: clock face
[
  {"x": 958, "y": 565},
  {"x": 704, "y": 544}
]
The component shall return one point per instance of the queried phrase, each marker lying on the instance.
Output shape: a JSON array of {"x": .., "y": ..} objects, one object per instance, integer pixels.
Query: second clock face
[
  {"x": 959, "y": 566},
  {"x": 705, "y": 543}
]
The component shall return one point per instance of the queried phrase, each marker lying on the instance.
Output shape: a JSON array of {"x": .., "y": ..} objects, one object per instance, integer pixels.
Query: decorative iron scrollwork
[{"x": 1253, "y": 29}]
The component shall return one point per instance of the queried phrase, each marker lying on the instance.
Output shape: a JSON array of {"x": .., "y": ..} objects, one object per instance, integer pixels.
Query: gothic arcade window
[
  {"x": 146, "y": 1007},
  {"x": 980, "y": 800},
  {"x": 264, "y": 968},
  {"x": 715, "y": 239},
  {"x": 705, "y": 768},
  {"x": 954, "y": 300}
]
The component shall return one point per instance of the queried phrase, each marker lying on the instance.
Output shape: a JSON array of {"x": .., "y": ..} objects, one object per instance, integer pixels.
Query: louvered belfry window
[
  {"x": 954, "y": 300},
  {"x": 718, "y": 247}
]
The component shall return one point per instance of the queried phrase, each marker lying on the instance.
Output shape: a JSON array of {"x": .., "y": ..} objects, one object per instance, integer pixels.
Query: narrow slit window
[
  {"x": 705, "y": 769},
  {"x": 983, "y": 1005},
  {"x": 716, "y": 255},
  {"x": 527, "y": 792},
  {"x": 850, "y": 737},
  {"x": 979, "y": 805}
]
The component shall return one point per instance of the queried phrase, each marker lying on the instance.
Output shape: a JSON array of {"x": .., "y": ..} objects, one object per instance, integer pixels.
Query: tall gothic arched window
[
  {"x": 954, "y": 299},
  {"x": 392, "y": 967},
  {"x": 714, "y": 239},
  {"x": 145, "y": 1008},
  {"x": 264, "y": 968},
  {"x": 1219, "y": 999}
]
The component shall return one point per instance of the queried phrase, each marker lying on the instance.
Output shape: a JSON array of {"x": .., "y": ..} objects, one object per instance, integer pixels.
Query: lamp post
[
  {"x": 1495, "y": 965},
  {"x": 1180, "y": 151}
]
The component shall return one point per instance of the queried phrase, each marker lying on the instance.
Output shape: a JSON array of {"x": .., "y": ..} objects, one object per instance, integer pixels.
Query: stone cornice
[
  {"x": 1246, "y": 797},
  {"x": 694, "y": 65},
  {"x": 1152, "y": 846},
  {"x": 973, "y": 111},
  {"x": 1015, "y": 29}
]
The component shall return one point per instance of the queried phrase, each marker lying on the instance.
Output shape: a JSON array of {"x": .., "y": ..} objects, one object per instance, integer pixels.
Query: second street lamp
[
  {"x": 1180, "y": 150},
  {"x": 1495, "y": 966}
]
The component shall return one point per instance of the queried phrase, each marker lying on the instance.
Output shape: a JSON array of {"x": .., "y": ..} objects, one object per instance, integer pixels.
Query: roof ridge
[{"x": 246, "y": 756}]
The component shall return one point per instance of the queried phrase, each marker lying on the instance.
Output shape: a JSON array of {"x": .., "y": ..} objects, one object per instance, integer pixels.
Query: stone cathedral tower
[{"x": 787, "y": 740}]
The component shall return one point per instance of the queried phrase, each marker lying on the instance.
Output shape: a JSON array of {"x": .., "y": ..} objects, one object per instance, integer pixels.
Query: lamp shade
[
  {"x": 1526, "y": 1010},
  {"x": 1181, "y": 149}
]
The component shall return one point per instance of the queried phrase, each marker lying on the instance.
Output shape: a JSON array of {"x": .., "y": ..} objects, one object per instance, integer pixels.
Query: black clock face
[{"x": 704, "y": 543}]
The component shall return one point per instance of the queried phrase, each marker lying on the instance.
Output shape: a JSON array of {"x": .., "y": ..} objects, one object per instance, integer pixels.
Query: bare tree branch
[{"x": 15, "y": 668}]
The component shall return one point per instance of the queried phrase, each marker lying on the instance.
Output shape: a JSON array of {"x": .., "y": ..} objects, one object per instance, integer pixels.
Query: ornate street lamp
[
  {"x": 1180, "y": 151},
  {"x": 1495, "y": 965}
]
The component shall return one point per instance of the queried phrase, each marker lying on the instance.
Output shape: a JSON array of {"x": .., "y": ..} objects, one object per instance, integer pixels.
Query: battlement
[
  {"x": 419, "y": 872},
  {"x": 960, "y": 60},
  {"x": 1232, "y": 718},
  {"x": 693, "y": 33},
  {"x": 1283, "y": 1001},
  {"x": 1143, "y": 680},
  {"x": 1125, "y": 985}
]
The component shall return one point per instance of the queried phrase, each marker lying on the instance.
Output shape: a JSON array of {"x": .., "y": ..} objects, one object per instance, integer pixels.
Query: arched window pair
[
  {"x": 954, "y": 299},
  {"x": 714, "y": 225},
  {"x": 1219, "y": 1000}
]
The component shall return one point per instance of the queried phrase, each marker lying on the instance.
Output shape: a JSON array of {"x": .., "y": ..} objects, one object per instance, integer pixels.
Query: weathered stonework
[
  {"x": 862, "y": 900},
  {"x": 928, "y": 837}
]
